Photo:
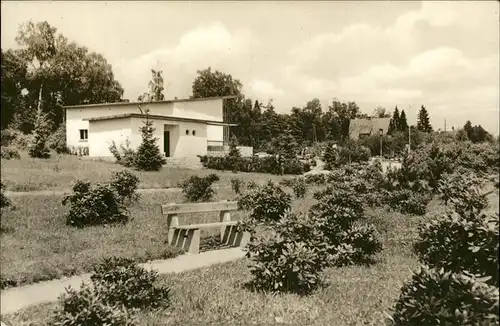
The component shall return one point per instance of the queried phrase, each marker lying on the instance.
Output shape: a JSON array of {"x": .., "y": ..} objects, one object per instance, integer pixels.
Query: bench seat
[{"x": 204, "y": 225}]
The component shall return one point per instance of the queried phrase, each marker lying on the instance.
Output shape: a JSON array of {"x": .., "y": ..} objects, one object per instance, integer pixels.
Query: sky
[{"x": 444, "y": 55}]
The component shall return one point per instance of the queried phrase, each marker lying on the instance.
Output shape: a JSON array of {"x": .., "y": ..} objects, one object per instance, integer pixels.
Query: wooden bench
[{"x": 187, "y": 237}]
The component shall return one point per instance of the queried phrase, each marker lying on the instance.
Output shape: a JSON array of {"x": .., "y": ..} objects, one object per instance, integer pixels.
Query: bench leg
[
  {"x": 242, "y": 239},
  {"x": 192, "y": 244},
  {"x": 175, "y": 237},
  {"x": 224, "y": 217}
]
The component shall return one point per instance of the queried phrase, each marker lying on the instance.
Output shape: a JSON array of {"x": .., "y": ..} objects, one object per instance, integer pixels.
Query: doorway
[{"x": 166, "y": 143}]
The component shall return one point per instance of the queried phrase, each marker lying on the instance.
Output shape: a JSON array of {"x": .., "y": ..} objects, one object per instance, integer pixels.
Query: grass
[
  {"x": 39, "y": 246},
  {"x": 60, "y": 171},
  {"x": 216, "y": 295}
]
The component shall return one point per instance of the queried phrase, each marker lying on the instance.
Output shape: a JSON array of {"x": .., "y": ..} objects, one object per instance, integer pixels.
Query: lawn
[
  {"x": 216, "y": 295},
  {"x": 59, "y": 172},
  {"x": 39, "y": 246}
]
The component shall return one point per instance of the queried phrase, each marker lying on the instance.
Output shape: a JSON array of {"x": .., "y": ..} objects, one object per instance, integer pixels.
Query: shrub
[
  {"x": 290, "y": 259},
  {"x": 57, "y": 141},
  {"x": 350, "y": 153},
  {"x": 4, "y": 201},
  {"x": 38, "y": 148},
  {"x": 125, "y": 183},
  {"x": 336, "y": 210},
  {"x": 121, "y": 281},
  {"x": 357, "y": 246},
  {"x": 316, "y": 179},
  {"x": 85, "y": 307},
  {"x": 254, "y": 164},
  {"x": 94, "y": 206},
  {"x": 408, "y": 202},
  {"x": 199, "y": 188},
  {"x": 236, "y": 185},
  {"x": 458, "y": 244},
  {"x": 125, "y": 155},
  {"x": 234, "y": 155},
  {"x": 436, "y": 297},
  {"x": 299, "y": 187},
  {"x": 464, "y": 191},
  {"x": 148, "y": 156},
  {"x": 9, "y": 153},
  {"x": 267, "y": 203}
]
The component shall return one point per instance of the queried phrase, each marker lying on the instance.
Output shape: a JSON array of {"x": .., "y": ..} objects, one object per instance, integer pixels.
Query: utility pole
[
  {"x": 409, "y": 134},
  {"x": 445, "y": 124}
]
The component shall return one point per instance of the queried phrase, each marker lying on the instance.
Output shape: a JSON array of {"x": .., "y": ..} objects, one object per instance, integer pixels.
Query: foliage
[
  {"x": 4, "y": 201},
  {"x": 461, "y": 243},
  {"x": 476, "y": 134},
  {"x": 124, "y": 155},
  {"x": 9, "y": 153},
  {"x": 255, "y": 164},
  {"x": 290, "y": 260},
  {"x": 155, "y": 88},
  {"x": 234, "y": 155},
  {"x": 85, "y": 307},
  {"x": 236, "y": 185},
  {"x": 57, "y": 140},
  {"x": 199, "y": 188},
  {"x": 423, "y": 123},
  {"x": 439, "y": 297},
  {"x": 39, "y": 148},
  {"x": 60, "y": 73},
  {"x": 125, "y": 183},
  {"x": 407, "y": 201},
  {"x": 464, "y": 191},
  {"x": 266, "y": 203},
  {"x": 352, "y": 152},
  {"x": 148, "y": 156},
  {"x": 121, "y": 281},
  {"x": 299, "y": 187},
  {"x": 357, "y": 245},
  {"x": 94, "y": 205}
]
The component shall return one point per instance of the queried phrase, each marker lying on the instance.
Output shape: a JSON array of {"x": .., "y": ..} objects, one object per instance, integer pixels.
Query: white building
[{"x": 184, "y": 128}]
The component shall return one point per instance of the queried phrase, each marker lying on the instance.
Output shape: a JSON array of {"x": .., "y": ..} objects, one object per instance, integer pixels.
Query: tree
[
  {"x": 476, "y": 134},
  {"x": 339, "y": 116},
  {"x": 403, "y": 124},
  {"x": 381, "y": 112},
  {"x": 394, "y": 124},
  {"x": 58, "y": 73},
  {"x": 156, "y": 88},
  {"x": 210, "y": 83},
  {"x": 148, "y": 156},
  {"x": 423, "y": 123},
  {"x": 39, "y": 148},
  {"x": 13, "y": 82}
]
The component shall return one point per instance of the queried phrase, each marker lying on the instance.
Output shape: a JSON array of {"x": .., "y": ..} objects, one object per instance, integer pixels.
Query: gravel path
[{"x": 17, "y": 298}]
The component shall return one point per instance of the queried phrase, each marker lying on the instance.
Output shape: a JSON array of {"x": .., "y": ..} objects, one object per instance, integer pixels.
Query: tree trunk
[{"x": 39, "y": 105}]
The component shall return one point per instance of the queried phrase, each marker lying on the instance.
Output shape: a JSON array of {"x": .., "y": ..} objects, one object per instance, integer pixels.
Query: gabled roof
[
  {"x": 368, "y": 126},
  {"x": 160, "y": 117},
  {"x": 82, "y": 106}
]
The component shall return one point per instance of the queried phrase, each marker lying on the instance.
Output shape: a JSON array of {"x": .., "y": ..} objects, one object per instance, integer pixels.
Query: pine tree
[
  {"x": 403, "y": 124},
  {"x": 39, "y": 148},
  {"x": 394, "y": 124},
  {"x": 423, "y": 123},
  {"x": 234, "y": 154},
  {"x": 148, "y": 156}
]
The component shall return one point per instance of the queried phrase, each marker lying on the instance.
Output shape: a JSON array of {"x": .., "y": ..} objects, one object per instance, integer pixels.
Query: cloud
[
  {"x": 265, "y": 88},
  {"x": 207, "y": 45}
]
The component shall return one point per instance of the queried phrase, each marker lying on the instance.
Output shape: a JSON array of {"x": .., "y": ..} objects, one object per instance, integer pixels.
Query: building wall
[
  {"x": 75, "y": 116},
  {"x": 200, "y": 109},
  {"x": 102, "y": 133},
  {"x": 181, "y": 145}
]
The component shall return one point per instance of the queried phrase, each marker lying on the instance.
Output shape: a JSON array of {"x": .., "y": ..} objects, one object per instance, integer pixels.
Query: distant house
[
  {"x": 184, "y": 128},
  {"x": 359, "y": 128}
]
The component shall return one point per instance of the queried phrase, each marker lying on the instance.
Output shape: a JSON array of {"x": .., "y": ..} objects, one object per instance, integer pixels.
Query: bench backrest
[{"x": 222, "y": 206}]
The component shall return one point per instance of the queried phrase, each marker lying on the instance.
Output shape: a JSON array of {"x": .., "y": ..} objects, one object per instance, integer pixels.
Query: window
[
  {"x": 193, "y": 132},
  {"x": 187, "y": 132},
  {"x": 84, "y": 134}
]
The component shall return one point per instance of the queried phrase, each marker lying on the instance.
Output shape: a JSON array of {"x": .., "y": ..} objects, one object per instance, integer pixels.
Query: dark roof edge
[
  {"x": 146, "y": 103},
  {"x": 160, "y": 117}
]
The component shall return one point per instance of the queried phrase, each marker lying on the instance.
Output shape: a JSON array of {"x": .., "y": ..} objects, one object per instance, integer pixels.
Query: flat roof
[
  {"x": 160, "y": 117},
  {"x": 151, "y": 102}
]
